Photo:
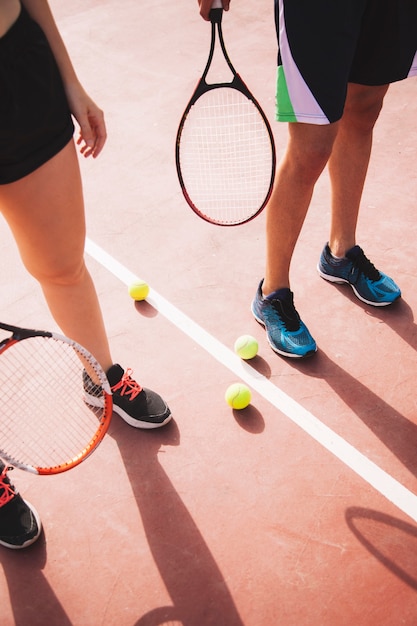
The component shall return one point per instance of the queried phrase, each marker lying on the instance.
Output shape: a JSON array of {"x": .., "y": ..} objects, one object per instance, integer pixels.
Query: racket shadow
[
  {"x": 187, "y": 568},
  {"x": 393, "y": 542}
]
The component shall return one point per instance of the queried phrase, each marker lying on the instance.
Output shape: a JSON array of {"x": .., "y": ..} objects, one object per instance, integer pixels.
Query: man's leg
[
  {"x": 348, "y": 164},
  {"x": 308, "y": 150}
]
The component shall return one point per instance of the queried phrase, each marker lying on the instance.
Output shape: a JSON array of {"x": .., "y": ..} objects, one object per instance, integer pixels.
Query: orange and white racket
[{"x": 55, "y": 401}]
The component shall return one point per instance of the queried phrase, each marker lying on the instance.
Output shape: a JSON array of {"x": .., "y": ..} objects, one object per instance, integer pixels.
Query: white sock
[{"x": 336, "y": 258}]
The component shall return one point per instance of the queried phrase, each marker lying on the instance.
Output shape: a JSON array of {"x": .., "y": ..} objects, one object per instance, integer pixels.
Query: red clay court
[{"x": 298, "y": 511}]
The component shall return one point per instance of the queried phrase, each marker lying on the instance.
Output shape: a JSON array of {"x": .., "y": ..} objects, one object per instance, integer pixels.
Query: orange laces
[
  {"x": 6, "y": 490},
  {"x": 127, "y": 385}
]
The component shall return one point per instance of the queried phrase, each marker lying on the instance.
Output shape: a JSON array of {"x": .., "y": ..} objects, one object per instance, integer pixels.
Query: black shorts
[
  {"x": 325, "y": 44},
  {"x": 35, "y": 120}
]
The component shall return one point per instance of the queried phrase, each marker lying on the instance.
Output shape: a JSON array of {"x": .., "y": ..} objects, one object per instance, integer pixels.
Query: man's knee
[
  {"x": 310, "y": 147},
  {"x": 363, "y": 106}
]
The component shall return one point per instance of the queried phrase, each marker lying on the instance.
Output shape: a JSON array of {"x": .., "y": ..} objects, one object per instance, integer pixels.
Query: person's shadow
[
  {"x": 32, "y": 599},
  {"x": 191, "y": 576},
  {"x": 398, "y": 316},
  {"x": 395, "y": 431}
]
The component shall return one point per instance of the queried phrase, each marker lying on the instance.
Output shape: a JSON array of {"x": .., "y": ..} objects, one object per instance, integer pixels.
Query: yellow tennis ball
[
  {"x": 238, "y": 396},
  {"x": 138, "y": 290},
  {"x": 246, "y": 347}
]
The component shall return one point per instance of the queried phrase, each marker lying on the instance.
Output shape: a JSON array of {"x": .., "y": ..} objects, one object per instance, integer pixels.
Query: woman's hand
[{"x": 92, "y": 134}]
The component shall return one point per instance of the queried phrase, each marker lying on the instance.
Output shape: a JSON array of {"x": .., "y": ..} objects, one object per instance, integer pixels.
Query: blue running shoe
[
  {"x": 370, "y": 285},
  {"x": 286, "y": 333}
]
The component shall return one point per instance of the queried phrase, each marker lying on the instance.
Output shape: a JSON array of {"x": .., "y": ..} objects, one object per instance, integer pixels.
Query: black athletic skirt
[{"x": 35, "y": 121}]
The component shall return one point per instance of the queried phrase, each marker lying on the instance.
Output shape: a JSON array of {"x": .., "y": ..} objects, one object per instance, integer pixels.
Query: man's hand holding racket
[
  {"x": 207, "y": 5},
  {"x": 224, "y": 149}
]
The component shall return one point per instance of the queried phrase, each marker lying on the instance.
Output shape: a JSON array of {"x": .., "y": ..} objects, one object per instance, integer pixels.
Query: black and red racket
[
  {"x": 55, "y": 401},
  {"x": 225, "y": 152}
]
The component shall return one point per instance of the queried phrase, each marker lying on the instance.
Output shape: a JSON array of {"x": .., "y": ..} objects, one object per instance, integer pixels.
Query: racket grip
[{"x": 216, "y": 12}]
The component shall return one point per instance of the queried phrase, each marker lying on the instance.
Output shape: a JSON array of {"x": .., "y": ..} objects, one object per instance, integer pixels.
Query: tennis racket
[
  {"x": 55, "y": 401},
  {"x": 225, "y": 152}
]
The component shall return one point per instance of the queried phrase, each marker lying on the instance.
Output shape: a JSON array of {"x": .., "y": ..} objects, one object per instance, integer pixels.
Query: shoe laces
[
  {"x": 127, "y": 386},
  {"x": 365, "y": 266},
  {"x": 287, "y": 312},
  {"x": 7, "y": 491}
]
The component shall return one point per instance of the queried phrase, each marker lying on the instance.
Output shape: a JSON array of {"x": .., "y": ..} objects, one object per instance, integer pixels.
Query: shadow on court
[
  {"x": 32, "y": 599},
  {"x": 396, "y": 432},
  {"x": 390, "y": 540},
  {"x": 188, "y": 570}
]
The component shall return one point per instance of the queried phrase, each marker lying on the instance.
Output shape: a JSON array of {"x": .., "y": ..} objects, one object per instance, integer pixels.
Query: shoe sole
[
  {"x": 342, "y": 281},
  {"x": 93, "y": 401},
  {"x": 140, "y": 423},
  {"x": 290, "y": 355}
]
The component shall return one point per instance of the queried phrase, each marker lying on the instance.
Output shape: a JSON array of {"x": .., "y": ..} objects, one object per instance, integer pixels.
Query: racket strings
[
  {"x": 226, "y": 156},
  {"x": 45, "y": 420}
]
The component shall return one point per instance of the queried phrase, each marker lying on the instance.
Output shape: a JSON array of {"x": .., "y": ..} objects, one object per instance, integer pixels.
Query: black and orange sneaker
[
  {"x": 20, "y": 525},
  {"x": 138, "y": 406}
]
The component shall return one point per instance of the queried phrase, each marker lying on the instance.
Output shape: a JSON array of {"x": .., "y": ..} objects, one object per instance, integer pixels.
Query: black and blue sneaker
[
  {"x": 20, "y": 525},
  {"x": 369, "y": 284},
  {"x": 287, "y": 334}
]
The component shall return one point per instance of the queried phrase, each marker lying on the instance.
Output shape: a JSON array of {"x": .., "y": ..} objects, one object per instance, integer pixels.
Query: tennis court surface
[{"x": 298, "y": 511}]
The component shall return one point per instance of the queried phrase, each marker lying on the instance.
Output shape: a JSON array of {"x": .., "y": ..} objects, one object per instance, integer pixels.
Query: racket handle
[{"x": 216, "y": 12}]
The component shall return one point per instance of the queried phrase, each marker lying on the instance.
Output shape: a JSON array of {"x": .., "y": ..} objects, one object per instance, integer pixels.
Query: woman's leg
[{"x": 45, "y": 211}]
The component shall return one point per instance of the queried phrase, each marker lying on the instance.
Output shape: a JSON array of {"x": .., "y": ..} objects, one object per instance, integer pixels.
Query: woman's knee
[{"x": 58, "y": 273}]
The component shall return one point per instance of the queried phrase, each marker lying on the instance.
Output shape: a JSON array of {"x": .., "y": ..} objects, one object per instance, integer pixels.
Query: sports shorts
[
  {"x": 326, "y": 44},
  {"x": 35, "y": 121}
]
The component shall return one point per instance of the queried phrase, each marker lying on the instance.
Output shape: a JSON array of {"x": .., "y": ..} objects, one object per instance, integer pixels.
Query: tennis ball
[
  {"x": 138, "y": 289},
  {"x": 246, "y": 347},
  {"x": 238, "y": 396}
]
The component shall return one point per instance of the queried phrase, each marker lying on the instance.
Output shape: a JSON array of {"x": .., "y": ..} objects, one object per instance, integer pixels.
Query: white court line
[{"x": 385, "y": 484}]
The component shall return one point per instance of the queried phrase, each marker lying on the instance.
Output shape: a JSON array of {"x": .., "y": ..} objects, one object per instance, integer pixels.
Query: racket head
[
  {"x": 56, "y": 402},
  {"x": 225, "y": 154},
  {"x": 225, "y": 151}
]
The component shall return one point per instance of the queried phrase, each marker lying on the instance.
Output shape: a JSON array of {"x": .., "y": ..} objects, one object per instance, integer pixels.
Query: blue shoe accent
[
  {"x": 369, "y": 284},
  {"x": 286, "y": 333}
]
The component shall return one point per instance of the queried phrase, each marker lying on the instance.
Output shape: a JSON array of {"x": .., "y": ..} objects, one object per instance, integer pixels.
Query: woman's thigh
[{"x": 45, "y": 211}]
